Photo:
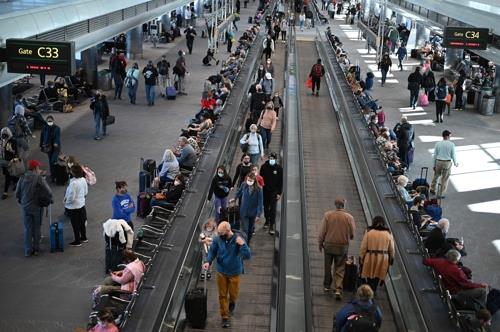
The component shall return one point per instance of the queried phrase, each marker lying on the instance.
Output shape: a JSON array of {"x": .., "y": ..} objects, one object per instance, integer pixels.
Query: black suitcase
[
  {"x": 471, "y": 95},
  {"x": 422, "y": 180},
  {"x": 145, "y": 178},
  {"x": 149, "y": 166},
  {"x": 250, "y": 19},
  {"x": 350, "y": 282},
  {"x": 61, "y": 175},
  {"x": 414, "y": 53},
  {"x": 195, "y": 306}
]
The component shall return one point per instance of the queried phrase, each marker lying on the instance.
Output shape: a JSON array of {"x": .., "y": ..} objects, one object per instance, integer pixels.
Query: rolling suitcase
[
  {"x": 149, "y": 166},
  {"x": 350, "y": 281},
  {"x": 250, "y": 20},
  {"x": 422, "y": 180},
  {"x": 414, "y": 53},
  {"x": 195, "y": 306},
  {"x": 144, "y": 178},
  {"x": 171, "y": 93},
  {"x": 56, "y": 233},
  {"x": 143, "y": 204}
]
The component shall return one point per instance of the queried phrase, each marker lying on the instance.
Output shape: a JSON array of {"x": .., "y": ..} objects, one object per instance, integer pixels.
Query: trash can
[
  {"x": 104, "y": 80},
  {"x": 477, "y": 100},
  {"x": 488, "y": 105}
]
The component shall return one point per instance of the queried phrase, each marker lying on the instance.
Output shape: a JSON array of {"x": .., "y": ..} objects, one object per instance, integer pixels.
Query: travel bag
[
  {"x": 422, "y": 180},
  {"x": 171, "y": 93},
  {"x": 56, "y": 233},
  {"x": 350, "y": 275},
  {"x": 423, "y": 100},
  {"x": 144, "y": 178},
  {"x": 493, "y": 301},
  {"x": 195, "y": 306},
  {"x": 250, "y": 20},
  {"x": 144, "y": 204}
]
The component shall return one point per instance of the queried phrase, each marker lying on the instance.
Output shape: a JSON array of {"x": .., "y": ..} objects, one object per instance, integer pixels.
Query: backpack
[
  {"x": 441, "y": 92},
  {"x": 15, "y": 125},
  {"x": 89, "y": 175},
  {"x": 317, "y": 70},
  {"x": 162, "y": 68},
  {"x": 362, "y": 320},
  {"x": 178, "y": 70}
]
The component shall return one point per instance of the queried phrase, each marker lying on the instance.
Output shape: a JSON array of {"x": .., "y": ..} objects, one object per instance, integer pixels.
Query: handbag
[
  {"x": 309, "y": 83},
  {"x": 244, "y": 146},
  {"x": 110, "y": 119},
  {"x": 16, "y": 167}
]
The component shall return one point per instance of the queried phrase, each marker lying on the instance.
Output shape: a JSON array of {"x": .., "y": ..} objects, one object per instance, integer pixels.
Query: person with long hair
[
  {"x": 220, "y": 187},
  {"x": 252, "y": 204},
  {"x": 376, "y": 252},
  {"x": 74, "y": 203}
]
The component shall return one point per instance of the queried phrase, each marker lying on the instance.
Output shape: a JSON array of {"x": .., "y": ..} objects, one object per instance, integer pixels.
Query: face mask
[
  {"x": 209, "y": 229},
  {"x": 176, "y": 183},
  {"x": 272, "y": 162},
  {"x": 50, "y": 123},
  {"x": 70, "y": 165},
  {"x": 250, "y": 182},
  {"x": 220, "y": 174}
]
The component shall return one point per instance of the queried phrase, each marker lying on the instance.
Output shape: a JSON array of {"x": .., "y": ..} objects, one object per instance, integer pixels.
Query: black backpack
[
  {"x": 441, "y": 92},
  {"x": 362, "y": 320}
]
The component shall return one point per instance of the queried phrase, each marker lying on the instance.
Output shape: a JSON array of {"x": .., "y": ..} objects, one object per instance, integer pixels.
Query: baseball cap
[{"x": 32, "y": 164}]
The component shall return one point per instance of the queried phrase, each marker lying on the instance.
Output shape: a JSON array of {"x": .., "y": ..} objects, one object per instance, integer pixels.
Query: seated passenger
[
  {"x": 126, "y": 280},
  {"x": 202, "y": 128},
  {"x": 187, "y": 156},
  {"x": 168, "y": 198},
  {"x": 168, "y": 168},
  {"x": 49, "y": 93},
  {"x": 372, "y": 125},
  {"x": 363, "y": 304},
  {"x": 454, "y": 278},
  {"x": 105, "y": 322},
  {"x": 436, "y": 241},
  {"x": 401, "y": 185},
  {"x": 207, "y": 100}
]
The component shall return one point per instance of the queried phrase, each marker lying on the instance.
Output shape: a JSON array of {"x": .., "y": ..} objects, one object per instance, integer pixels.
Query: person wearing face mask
[
  {"x": 273, "y": 177},
  {"x": 74, "y": 204},
  {"x": 228, "y": 250},
  {"x": 132, "y": 82},
  {"x": 171, "y": 196},
  {"x": 122, "y": 203},
  {"x": 30, "y": 187},
  {"x": 261, "y": 72},
  {"x": 255, "y": 144},
  {"x": 8, "y": 151},
  {"x": 269, "y": 67},
  {"x": 50, "y": 143},
  {"x": 242, "y": 170},
  {"x": 207, "y": 235},
  {"x": 251, "y": 205},
  {"x": 220, "y": 187},
  {"x": 100, "y": 107},
  {"x": 267, "y": 124},
  {"x": 150, "y": 74},
  {"x": 180, "y": 71}
]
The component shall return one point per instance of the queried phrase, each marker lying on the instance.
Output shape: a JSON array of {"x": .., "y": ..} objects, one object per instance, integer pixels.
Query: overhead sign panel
[
  {"x": 27, "y": 56},
  {"x": 467, "y": 38}
]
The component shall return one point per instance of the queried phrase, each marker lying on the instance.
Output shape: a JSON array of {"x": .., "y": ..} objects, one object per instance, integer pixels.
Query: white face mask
[
  {"x": 50, "y": 123},
  {"x": 250, "y": 182},
  {"x": 272, "y": 162},
  {"x": 176, "y": 183}
]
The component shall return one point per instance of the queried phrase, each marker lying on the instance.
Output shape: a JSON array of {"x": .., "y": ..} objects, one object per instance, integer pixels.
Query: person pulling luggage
[{"x": 228, "y": 249}]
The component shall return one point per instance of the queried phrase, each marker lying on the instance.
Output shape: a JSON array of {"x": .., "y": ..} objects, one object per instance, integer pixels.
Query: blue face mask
[{"x": 272, "y": 162}]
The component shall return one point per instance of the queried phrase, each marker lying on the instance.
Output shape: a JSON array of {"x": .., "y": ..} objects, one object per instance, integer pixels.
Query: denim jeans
[
  {"x": 150, "y": 94},
  {"x": 98, "y": 124},
  {"x": 301, "y": 25},
  {"x": 266, "y": 137},
  {"x": 414, "y": 97},
  {"x": 384, "y": 75},
  {"x": 118, "y": 89},
  {"x": 247, "y": 226},
  {"x": 219, "y": 203},
  {"x": 53, "y": 155},
  {"x": 254, "y": 158},
  {"x": 132, "y": 93},
  {"x": 32, "y": 223}
]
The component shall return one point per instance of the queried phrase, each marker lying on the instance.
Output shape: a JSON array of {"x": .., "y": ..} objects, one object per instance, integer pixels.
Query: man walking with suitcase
[
  {"x": 229, "y": 250},
  {"x": 336, "y": 232}
]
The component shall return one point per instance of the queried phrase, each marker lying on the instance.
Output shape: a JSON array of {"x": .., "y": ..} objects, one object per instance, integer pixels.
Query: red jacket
[{"x": 453, "y": 277}]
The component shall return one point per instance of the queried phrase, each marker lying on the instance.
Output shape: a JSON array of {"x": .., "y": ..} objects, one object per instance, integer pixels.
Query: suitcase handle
[{"x": 422, "y": 172}]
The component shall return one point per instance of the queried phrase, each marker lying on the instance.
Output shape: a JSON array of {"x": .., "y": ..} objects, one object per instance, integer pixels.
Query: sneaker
[
  {"x": 327, "y": 289},
  {"x": 271, "y": 231},
  {"x": 97, "y": 138},
  {"x": 231, "y": 307},
  {"x": 338, "y": 296},
  {"x": 4, "y": 196},
  {"x": 85, "y": 240},
  {"x": 76, "y": 244},
  {"x": 225, "y": 323},
  {"x": 209, "y": 275},
  {"x": 266, "y": 226},
  {"x": 202, "y": 276}
]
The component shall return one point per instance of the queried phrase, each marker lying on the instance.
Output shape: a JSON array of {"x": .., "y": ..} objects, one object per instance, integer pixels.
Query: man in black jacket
[
  {"x": 257, "y": 103},
  {"x": 405, "y": 135},
  {"x": 414, "y": 83},
  {"x": 273, "y": 188}
]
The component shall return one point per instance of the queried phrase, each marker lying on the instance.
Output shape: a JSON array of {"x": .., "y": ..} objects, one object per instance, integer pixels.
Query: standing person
[
  {"x": 132, "y": 82},
  {"x": 187, "y": 16},
  {"x": 363, "y": 305},
  {"x": 258, "y": 177},
  {"x": 272, "y": 174},
  {"x": 190, "y": 33},
  {"x": 163, "y": 66},
  {"x": 74, "y": 204},
  {"x": 277, "y": 103},
  {"x": 402, "y": 54},
  {"x": 336, "y": 231},
  {"x": 267, "y": 124},
  {"x": 229, "y": 40},
  {"x": 459, "y": 91},
  {"x": 242, "y": 170},
  {"x": 30, "y": 188},
  {"x": 302, "y": 20},
  {"x": 150, "y": 74},
  {"x": 283, "y": 28},
  {"x": 228, "y": 250},
  {"x": 180, "y": 71},
  {"x": 8, "y": 151},
  {"x": 268, "y": 46},
  {"x": 331, "y": 9},
  {"x": 269, "y": 67},
  {"x": 251, "y": 206},
  {"x": 99, "y": 106},
  {"x": 385, "y": 66},
  {"x": 376, "y": 252},
  {"x": 117, "y": 65},
  {"x": 443, "y": 157},
  {"x": 429, "y": 84},
  {"x": 441, "y": 93},
  {"x": 238, "y": 6},
  {"x": 220, "y": 187},
  {"x": 123, "y": 205},
  {"x": 414, "y": 83},
  {"x": 405, "y": 137},
  {"x": 21, "y": 132},
  {"x": 118, "y": 80},
  {"x": 317, "y": 71},
  {"x": 267, "y": 84},
  {"x": 255, "y": 145},
  {"x": 50, "y": 143}
]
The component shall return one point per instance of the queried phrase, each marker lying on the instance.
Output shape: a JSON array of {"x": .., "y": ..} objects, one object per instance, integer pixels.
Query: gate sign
[
  {"x": 27, "y": 56},
  {"x": 467, "y": 38}
]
